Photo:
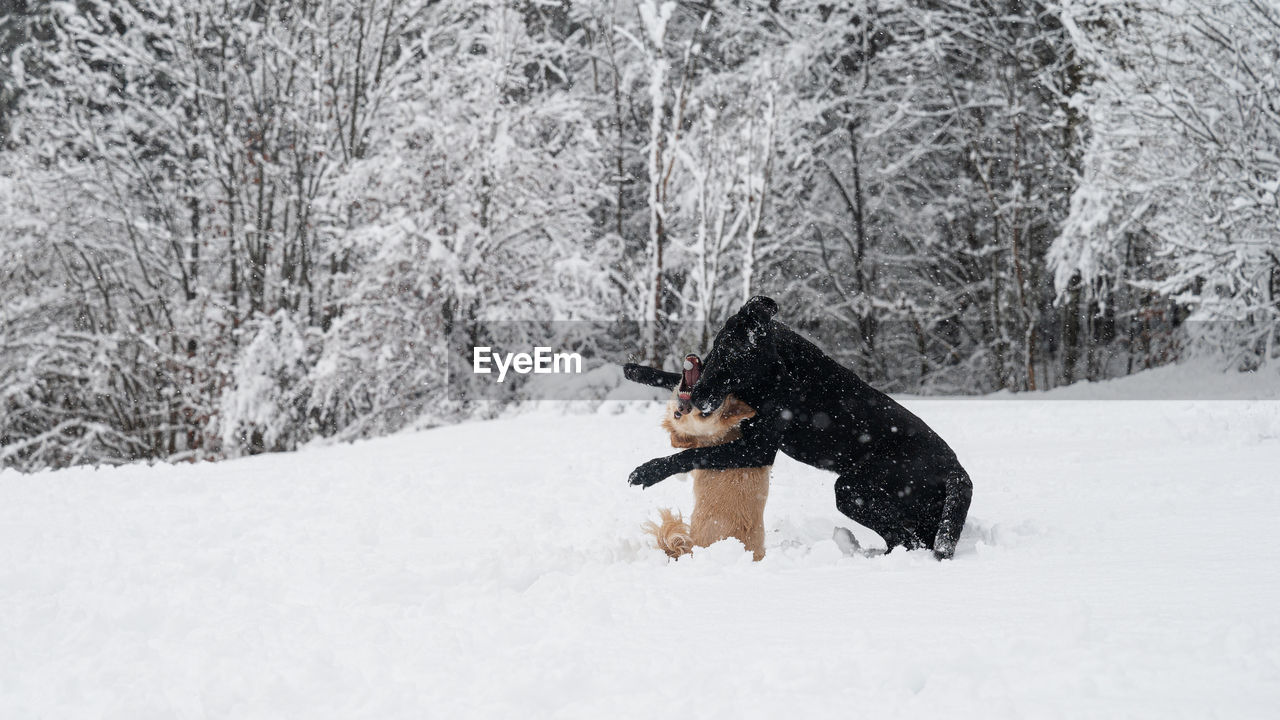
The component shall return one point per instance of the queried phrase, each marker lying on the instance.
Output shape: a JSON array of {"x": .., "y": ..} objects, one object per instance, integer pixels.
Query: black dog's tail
[{"x": 954, "y": 510}]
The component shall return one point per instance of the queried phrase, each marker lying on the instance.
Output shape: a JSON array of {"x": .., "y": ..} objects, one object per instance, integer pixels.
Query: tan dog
[{"x": 726, "y": 503}]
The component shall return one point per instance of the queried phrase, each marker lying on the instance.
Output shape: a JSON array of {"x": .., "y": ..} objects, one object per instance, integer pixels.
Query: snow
[
  {"x": 1120, "y": 561},
  {"x": 654, "y": 18}
]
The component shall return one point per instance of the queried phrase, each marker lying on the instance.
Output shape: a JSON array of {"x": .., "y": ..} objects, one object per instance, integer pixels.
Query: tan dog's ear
[{"x": 735, "y": 409}]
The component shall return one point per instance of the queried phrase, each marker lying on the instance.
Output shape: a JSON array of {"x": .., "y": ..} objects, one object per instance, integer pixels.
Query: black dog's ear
[
  {"x": 760, "y": 309},
  {"x": 651, "y": 376}
]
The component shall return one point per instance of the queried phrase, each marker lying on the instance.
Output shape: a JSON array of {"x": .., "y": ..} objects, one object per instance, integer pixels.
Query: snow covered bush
[{"x": 265, "y": 405}]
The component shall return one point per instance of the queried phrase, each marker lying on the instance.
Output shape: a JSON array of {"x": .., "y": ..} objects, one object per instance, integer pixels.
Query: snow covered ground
[{"x": 1122, "y": 559}]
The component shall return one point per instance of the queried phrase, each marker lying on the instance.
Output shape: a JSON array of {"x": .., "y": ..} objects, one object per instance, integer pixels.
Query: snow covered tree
[
  {"x": 1185, "y": 115},
  {"x": 473, "y": 205},
  {"x": 932, "y": 161}
]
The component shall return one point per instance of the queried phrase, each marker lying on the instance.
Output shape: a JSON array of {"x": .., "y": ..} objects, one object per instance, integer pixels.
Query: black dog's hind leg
[
  {"x": 954, "y": 510},
  {"x": 651, "y": 376},
  {"x": 869, "y": 505}
]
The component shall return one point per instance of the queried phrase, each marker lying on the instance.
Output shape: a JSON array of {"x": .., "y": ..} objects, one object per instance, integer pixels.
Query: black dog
[{"x": 897, "y": 477}]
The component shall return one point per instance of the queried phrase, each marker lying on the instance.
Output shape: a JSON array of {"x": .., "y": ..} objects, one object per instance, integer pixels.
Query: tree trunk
[{"x": 1071, "y": 330}]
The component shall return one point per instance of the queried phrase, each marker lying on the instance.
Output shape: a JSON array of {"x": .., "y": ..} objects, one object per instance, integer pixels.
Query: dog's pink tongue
[{"x": 692, "y": 369}]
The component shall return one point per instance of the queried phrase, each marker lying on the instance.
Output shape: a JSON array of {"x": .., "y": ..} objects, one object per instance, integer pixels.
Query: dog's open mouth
[{"x": 692, "y": 369}]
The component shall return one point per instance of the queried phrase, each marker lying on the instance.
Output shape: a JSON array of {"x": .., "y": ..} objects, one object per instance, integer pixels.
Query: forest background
[{"x": 233, "y": 226}]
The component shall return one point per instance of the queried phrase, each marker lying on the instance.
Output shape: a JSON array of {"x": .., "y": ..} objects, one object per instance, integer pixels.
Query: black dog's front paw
[
  {"x": 652, "y": 377},
  {"x": 634, "y": 372},
  {"x": 650, "y": 473}
]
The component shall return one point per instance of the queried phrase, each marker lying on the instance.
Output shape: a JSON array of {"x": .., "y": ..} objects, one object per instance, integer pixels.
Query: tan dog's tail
[{"x": 673, "y": 535}]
